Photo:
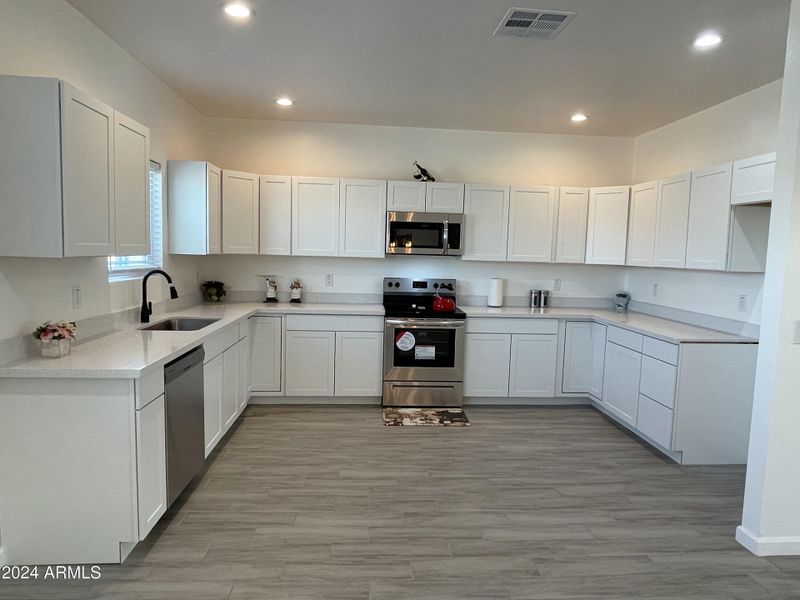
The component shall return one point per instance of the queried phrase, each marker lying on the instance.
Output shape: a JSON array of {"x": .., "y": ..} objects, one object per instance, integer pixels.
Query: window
[{"x": 127, "y": 267}]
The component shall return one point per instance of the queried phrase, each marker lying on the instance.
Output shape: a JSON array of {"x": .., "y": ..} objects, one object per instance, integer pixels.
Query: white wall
[
  {"x": 50, "y": 38},
  {"x": 743, "y": 126}
]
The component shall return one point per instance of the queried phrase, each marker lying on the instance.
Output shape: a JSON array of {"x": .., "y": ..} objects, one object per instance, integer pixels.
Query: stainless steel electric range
[{"x": 423, "y": 360}]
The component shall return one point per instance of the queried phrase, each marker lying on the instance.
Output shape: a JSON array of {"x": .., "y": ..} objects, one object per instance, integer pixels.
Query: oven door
[
  {"x": 423, "y": 350},
  {"x": 415, "y": 233}
]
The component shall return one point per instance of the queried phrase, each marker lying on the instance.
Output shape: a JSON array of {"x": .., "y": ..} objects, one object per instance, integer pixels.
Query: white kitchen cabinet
[
  {"x": 749, "y": 236},
  {"x": 607, "y": 230},
  {"x": 753, "y": 179},
  {"x": 532, "y": 372},
  {"x": 672, "y": 221},
  {"x": 359, "y": 363},
  {"x": 487, "y": 360},
  {"x": 599, "y": 333},
  {"x": 658, "y": 381},
  {"x": 576, "y": 377},
  {"x": 362, "y": 218},
  {"x": 195, "y": 207},
  {"x": 709, "y": 217},
  {"x": 87, "y": 157},
  {"x": 573, "y": 212},
  {"x": 151, "y": 464},
  {"x": 442, "y": 197},
  {"x": 243, "y": 376},
  {"x": 275, "y": 215},
  {"x": 310, "y": 363},
  {"x": 212, "y": 401},
  {"x": 655, "y": 421},
  {"x": 406, "y": 196},
  {"x": 642, "y": 224},
  {"x": 531, "y": 224},
  {"x": 265, "y": 354},
  {"x": 621, "y": 382},
  {"x": 131, "y": 187},
  {"x": 486, "y": 222},
  {"x": 230, "y": 386},
  {"x": 315, "y": 216},
  {"x": 239, "y": 212}
]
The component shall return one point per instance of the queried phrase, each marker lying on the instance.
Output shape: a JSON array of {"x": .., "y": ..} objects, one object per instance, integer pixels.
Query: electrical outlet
[
  {"x": 76, "y": 297},
  {"x": 655, "y": 290},
  {"x": 556, "y": 285},
  {"x": 743, "y": 303},
  {"x": 329, "y": 280}
]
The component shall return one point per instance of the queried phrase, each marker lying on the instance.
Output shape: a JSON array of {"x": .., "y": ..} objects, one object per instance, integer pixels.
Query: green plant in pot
[{"x": 213, "y": 291}]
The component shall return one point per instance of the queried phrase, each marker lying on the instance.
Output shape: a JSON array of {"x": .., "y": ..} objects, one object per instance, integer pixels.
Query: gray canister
[
  {"x": 544, "y": 298},
  {"x": 536, "y": 298}
]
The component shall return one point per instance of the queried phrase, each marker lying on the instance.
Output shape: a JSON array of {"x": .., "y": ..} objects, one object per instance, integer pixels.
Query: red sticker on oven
[{"x": 405, "y": 341}]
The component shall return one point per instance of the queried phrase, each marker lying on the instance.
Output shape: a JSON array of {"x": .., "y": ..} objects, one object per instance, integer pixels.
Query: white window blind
[{"x": 122, "y": 267}]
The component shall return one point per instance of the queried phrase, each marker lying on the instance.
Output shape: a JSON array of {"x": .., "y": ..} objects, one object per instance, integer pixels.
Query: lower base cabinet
[
  {"x": 265, "y": 353},
  {"x": 510, "y": 365},
  {"x": 212, "y": 386},
  {"x": 310, "y": 363},
  {"x": 621, "y": 382},
  {"x": 358, "y": 364},
  {"x": 654, "y": 420},
  {"x": 151, "y": 464}
]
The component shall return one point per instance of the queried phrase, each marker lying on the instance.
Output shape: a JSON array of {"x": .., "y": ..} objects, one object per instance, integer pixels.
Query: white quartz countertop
[
  {"x": 128, "y": 352},
  {"x": 670, "y": 331}
]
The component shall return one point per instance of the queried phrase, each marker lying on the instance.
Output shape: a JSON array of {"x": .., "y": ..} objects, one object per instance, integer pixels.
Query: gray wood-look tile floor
[{"x": 533, "y": 503}]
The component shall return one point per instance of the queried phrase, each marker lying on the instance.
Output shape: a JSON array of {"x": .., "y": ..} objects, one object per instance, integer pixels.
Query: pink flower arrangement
[{"x": 63, "y": 330}]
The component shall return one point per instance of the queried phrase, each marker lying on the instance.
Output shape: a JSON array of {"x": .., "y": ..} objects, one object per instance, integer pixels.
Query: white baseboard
[
  {"x": 328, "y": 400},
  {"x": 562, "y": 401},
  {"x": 788, "y": 545}
]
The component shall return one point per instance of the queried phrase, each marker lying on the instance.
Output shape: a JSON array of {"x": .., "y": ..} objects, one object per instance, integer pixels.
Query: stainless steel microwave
[{"x": 424, "y": 233}]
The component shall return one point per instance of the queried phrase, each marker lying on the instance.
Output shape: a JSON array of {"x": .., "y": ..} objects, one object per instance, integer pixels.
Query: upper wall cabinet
[
  {"x": 443, "y": 197},
  {"x": 195, "y": 209},
  {"x": 406, "y": 196},
  {"x": 709, "y": 216},
  {"x": 57, "y": 167},
  {"x": 362, "y": 218},
  {"x": 642, "y": 224},
  {"x": 607, "y": 230},
  {"x": 753, "y": 179},
  {"x": 315, "y": 216},
  {"x": 131, "y": 184},
  {"x": 573, "y": 211},
  {"x": 485, "y": 222},
  {"x": 531, "y": 224},
  {"x": 420, "y": 196},
  {"x": 275, "y": 215},
  {"x": 239, "y": 212},
  {"x": 672, "y": 221}
]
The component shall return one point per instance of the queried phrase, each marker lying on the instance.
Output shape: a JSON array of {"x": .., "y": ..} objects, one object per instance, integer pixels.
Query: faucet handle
[{"x": 149, "y": 308}]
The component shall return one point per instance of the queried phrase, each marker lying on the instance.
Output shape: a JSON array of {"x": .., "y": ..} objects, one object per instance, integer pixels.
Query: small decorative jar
[
  {"x": 55, "y": 338},
  {"x": 56, "y": 348}
]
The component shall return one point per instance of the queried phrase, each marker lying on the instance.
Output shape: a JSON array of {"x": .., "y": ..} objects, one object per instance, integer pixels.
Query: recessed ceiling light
[
  {"x": 284, "y": 101},
  {"x": 238, "y": 10},
  {"x": 579, "y": 117},
  {"x": 707, "y": 39}
]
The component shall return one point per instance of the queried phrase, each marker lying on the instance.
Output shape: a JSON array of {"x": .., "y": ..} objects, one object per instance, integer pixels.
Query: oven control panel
[{"x": 428, "y": 287}]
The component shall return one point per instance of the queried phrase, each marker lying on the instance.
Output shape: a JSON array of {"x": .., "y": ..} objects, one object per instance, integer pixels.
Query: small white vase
[{"x": 55, "y": 348}]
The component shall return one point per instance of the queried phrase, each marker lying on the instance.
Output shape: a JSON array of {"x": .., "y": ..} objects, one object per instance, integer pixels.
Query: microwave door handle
[{"x": 445, "y": 235}]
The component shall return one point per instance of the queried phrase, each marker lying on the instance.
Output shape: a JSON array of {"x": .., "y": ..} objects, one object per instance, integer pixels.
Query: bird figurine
[{"x": 422, "y": 173}]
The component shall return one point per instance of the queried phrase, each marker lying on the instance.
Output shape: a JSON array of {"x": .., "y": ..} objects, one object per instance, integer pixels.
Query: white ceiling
[{"x": 434, "y": 63}]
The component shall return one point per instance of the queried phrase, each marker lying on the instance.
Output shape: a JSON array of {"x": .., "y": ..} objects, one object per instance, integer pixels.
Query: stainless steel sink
[{"x": 180, "y": 324}]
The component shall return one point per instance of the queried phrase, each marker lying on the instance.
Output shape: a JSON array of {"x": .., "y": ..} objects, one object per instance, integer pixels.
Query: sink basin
[{"x": 180, "y": 324}]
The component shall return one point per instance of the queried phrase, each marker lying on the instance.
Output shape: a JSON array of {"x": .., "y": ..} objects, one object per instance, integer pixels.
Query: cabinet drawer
[
  {"x": 512, "y": 326},
  {"x": 333, "y": 323},
  {"x": 655, "y": 421},
  {"x": 149, "y": 387},
  {"x": 219, "y": 342},
  {"x": 626, "y": 338},
  {"x": 658, "y": 381},
  {"x": 660, "y": 350}
]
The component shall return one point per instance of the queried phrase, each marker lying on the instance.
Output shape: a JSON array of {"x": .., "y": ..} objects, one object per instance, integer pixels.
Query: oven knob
[
  {"x": 396, "y": 284},
  {"x": 435, "y": 286},
  {"x": 390, "y": 284}
]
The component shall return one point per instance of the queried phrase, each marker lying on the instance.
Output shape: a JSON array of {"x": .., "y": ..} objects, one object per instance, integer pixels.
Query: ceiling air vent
[{"x": 532, "y": 22}]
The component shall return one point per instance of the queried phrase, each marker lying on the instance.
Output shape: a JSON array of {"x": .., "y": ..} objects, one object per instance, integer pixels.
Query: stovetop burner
[{"x": 413, "y": 298}]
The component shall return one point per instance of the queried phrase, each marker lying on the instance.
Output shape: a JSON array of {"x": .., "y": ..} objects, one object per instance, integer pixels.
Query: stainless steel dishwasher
[{"x": 183, "y": 396}]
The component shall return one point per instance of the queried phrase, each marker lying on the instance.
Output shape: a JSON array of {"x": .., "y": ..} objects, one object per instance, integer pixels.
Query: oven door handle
[{"x": 425, "y": 323}]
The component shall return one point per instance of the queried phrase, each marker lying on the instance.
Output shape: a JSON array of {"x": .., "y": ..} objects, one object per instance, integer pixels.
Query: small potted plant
[
  {"x": 213, "y": 291},
  {"x": 55, "y": 338}
]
